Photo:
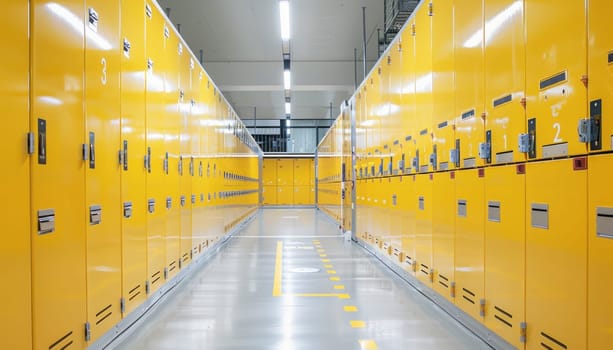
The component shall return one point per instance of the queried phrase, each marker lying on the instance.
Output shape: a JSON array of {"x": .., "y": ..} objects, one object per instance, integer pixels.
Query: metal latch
[
  {"x": 454, "y": 156},
  {"x": 540, "y": 215},
  {"x": 122, "y": 305},
  {"x": 587, "y": 130},
  {"x": 523, "y": 327},
  {"x": 524, "y": 143},
  {"x": 166, "y": 32},
  {"x": 148, "y": 11},
  {"x": 125, "y": 155},
  {"x": 88, "y": 332},
  {"x": 433, "y": 158},
  {"x": 180, "y": 165},
  {"x": 193, "y": 199},
  {"x": 168, "y": 202},
  {"x": 166, "y": 163},
  {"x": 191, "y": 166},
  {"x": 30, "y": 143},
  {"x": 126, "y": 48},
  {"x": 151, "y": 205},
  {"x": 416, "y": 161},
  {"x": 93, "y": 19},
  {"x": 127, "y": 210},
  {"x": 149, "y": 64},
  {"x": 485, "y": 150},
  {"x": 95, "y": 215},
  {"x": 421, "y": 203},
  {"x": 46, "y": 221},
  {"x": 180, "y": 49},
  {"x": 394, "y": 199},
  {"x": 182, "y": 201},
  {"x": 462, "y": 208},
  {"x": 482, "y": 307}
]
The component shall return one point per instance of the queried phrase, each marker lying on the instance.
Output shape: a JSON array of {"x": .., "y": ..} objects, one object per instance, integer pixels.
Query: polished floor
[{"x": 288, "y": 281}]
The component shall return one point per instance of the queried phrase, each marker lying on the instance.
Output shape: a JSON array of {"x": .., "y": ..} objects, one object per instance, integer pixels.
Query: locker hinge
[
  {"x": 523, "y": 327},
  {"x": 85, "y": 152},
  {"x": 147, "y": 287},
  {"x": 430, "y": 9},
  {"x": 485, "y": 148},
  {"x": 452, "y": 289},
  {"x": 122, "y": 305},
  {"x": 148, "y": 11},
  {"x": 180, "y": 263},
  {"x": 413, "y": 30},
  {"x": 431, "y": 276},
  {"x": 165, "y": 273},
  {"x": 93, "y": 19},
  {"x": 88, "y": 332},
  {"x": 414, "y": 266},
  {"x": 482, "y": 307},
  {"x": 433, "y": 158},
  {"x": 30, "y": 141}
]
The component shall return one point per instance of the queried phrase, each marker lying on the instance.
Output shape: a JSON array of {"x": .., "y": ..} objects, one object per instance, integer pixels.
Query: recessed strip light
[
  {"x": 284, "y": 10},
  {"x": 287, "y": 79},
  {"x": 288, "y": 108}
]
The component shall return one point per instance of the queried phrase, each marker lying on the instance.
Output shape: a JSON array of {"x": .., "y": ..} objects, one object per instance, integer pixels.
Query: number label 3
[{"x": 103, "y": 77}]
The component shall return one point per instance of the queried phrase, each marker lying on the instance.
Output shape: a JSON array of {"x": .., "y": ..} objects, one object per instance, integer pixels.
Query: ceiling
[{"x": 241, "y": 40}]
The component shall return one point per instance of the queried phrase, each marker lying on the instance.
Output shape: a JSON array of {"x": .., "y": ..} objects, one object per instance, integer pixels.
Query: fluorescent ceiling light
[
  {"x": 288, "y": 108},
  {"x": 284, "y": 10},
  {"x": 287, "y": 79}
]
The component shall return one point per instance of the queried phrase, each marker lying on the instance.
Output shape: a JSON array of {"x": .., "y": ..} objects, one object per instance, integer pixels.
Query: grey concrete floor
[{"x": 333, "y": 295}]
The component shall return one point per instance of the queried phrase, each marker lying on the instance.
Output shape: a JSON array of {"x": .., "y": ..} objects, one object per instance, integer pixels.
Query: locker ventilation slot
[
  {"x": 468, "y": 114},
  {"x": 503, "y": 314},
  {"x": 610, "y": 57},
  {"x": 172, "y": 266},
  {"x": 185, "y": 257},
  {"x": 549, "y": 338},
  {"x": 134, "y": 293},
  {"x": 424, "y": 269},
  {"x": 103, "y": 314},
  {"x": 558, "y": 78},
  {"x": 444, "y": 284},
  {"x": 156, "y": 277},
  {"x": 503, "y": 100},
  {"x": 604, "y": 222},
  {"x": 466, "y": 291},
  {"x": 64, "y": 342}
]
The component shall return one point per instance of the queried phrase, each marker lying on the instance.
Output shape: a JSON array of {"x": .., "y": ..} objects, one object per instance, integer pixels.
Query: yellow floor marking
[
  {"x": 316, "y": 242},
  {"x": 276, "y": 288},
  {"x": 351, "y": 308},
  {"x": 335, "y": 278},
  {"x": 321, "y": 251},
  {"x": 368, "y": 345},
  {"x": 328, "y": 266},
  {"x": 357, "y": 324},
  {"x": 339, "y": 287},
  {"x": 319, "y": 295},
  {"x": 325, "y": 260},
  {"x": 322, "y": 255},
  {"x": 331, "y": 272}
]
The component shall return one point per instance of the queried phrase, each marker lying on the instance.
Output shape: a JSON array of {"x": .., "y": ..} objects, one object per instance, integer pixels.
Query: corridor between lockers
[{"x": 289, "y": 281}]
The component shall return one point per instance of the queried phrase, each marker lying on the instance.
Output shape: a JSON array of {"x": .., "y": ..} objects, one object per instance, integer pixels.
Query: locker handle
[
  {"x": 92, "y": 150},
  {"x": 46, "y": 221},
  {"x": 125, "y": 155},
  {"x": 42, "y": 141}
]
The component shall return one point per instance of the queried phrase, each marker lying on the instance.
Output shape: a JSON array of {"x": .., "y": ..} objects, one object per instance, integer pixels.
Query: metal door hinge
[
  {"x": 148, "y": 11},
  {"x": 84, "y": 152},
  {"x": 166, "y": 32},
  {"x": 147, "y": 287},
  {"x": 452, "y": 289},
  {"x": 433, "y": 158},
  {"x": 149, "y": 64},
  {"x": 482, "y": 307},
  {"x": 88, "y": 332},
  {"x": 165, "y": 273},
  {"x": 126, "y": 48},
  {"x": 430, "y": 9},
  {"x": 523, "y": 328},
  {"x": 122, "y": 305},
  {"x": 30, "y": 143},
  {"x": 93, "y": 19}
]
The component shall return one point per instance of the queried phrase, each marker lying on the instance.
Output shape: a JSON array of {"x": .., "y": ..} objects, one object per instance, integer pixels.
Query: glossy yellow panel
[
  {"x": 397, "y": 197},
  {"x": 469, "y": 102},
  {"x": 505, "y": 251},
  {"x": 16, "y": 322},
  {"x": 302, "y": 171},
  {"x": 443, "y": 234},
  {"x": 443, "y": 80},
  {"x": 285, "y": 172},
  {"x": 157, "y": 184},
  {"x": 408, "y": 204},
  {"x": 103, "y": 191},
  {"x": 270, "y": 195},
  {"x": 301, "y": 195},
  {"x": 555, "y": 67},
  {"x": 423, "y": 89},
  {"x": 423, "y": 226},
  {"x": 505, "y": 75},
  {"x": 556, "y": 255},
  {"x": 407, "y": 105},
  {"x": 396, "y": 133},
  {"x": 133, "y": 175},
  {"x": 58, "y": 254},
  {"x": 285, "y": 195},
  {"x": 600, "y": 72},
  {"x": 186, "y": 87},
  {"x": 600, "y": 245},
  {"x": 469, "y": 240},
  {"x": 269, "y": 172}
]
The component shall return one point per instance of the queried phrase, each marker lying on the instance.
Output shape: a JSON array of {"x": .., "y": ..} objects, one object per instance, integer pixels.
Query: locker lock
[
  {"x": 95, "y": 215},
  {"x": 524, "y": 143},
  {"x": 46, "y": 221},
  {"x": 126, "y": 48},
  {"x": 454, "y": 156},
  {"x": 485, "y": 150},
  {"x": 93, "y": 20},
  {"x": 127, "y": 210},
  {"x": 587, "y": 130}
]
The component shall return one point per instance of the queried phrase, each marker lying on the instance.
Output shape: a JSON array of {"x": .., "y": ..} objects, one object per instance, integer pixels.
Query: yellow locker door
[
  {"x": 186, "y": 66},
  {"x": 301, "y": 171},
  {"x": 443, "y": 124},
  {"x": 396, "y": 216},
  {"x": 103, "y": 191},
  {"x": 443, "y": 234},
  {"x": 423, "y": 90},
  {"x": 311, "y": 165},
  {"x": 285, "y": 172},
  {"x": 157, "y": 183},
  {"x": 469, "y": 103},
  {"x": 311, "y": 195},
  {"x": 469, "y": 241},
  {"x": 600, "y": 245},
  {"x": 556, "y": 77},
  {"x": 270, "y": 195},
  {"x": 505, "y": 253},
  {"x": 269, "y": 172},
  {"x": 423, "y": 227},
  {"x": 385, "y": 217},
  {"x": 58, "y": 174},
  {"x": 301, "y": 195},
  {"x": 133, "y": 176},
  {"x": 505, "y": 75},
  {"x": 16, "y": 323},
  {"x": 407, "y": 107},
  {"x": 600, "y": 72},
  {"x": 556, "y": 254},
  {"x": 285, "y": 195}
]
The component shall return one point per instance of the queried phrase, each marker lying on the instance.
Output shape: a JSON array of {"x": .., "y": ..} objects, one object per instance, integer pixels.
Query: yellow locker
[
  {"x": 301, "y": 171},
  {"x": 196, "y": 75},
  {"x": 269, "y": 172},
  {"x": 301, "y": 195},
  {"x": 187, "y": 199},
  {"x": 58, "y": 174},
  {"x": 469, "y": 241},
  {"x": 600, "y": 72},
  {"x": 155, "y": 157},
  {"x": 469, "y": 103},
  {"x": 395, "y": 99},
  {"x": 103, "y": 206},
  {"x": 423, "y": 227},
  {"x": 407, "y": 205},
  {"x": 600, "y": 214},
  {"x": 198, "y": 148},
  {"x": 505, "y": 75},
  {"x": 443, "y": 234},
  {"x": 285, "y": 195},
  {"x": 311, "y": 166},
  {"x": 443, "y": 124},
  {"x": 397, "y": 200},
  {"x": 505, "y": 255},
  {"x": 423, "y": 90},
  {"x": 407, "y": 108},
  {"x": 556, "y": 77},
  {"x": 16, "y": 323},
  {"x": 556, "y": 254},
  {"x": 270, "y": 195},
  {"x": 133, "y": 176},
  {"x": 285, "y": 172}
]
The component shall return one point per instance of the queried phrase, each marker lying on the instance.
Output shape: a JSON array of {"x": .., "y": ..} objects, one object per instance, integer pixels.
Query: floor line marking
[
  {"x": 357, "y": 324},
  {"x": 350, "y": 308},
  {"x": 331, "y": 272},
  {"x": 325, "y": 260},
  {"x": 319, "y": 295},
  {"x": 328, "y": 266},
  {"x": 276, "y": 289},
  {"x": 335, "y": 278},
  {"x": 323, "y": 255},
  {"x": 368, "y": 344},
  {"x": 277, "y": 237},
  {"x": 339, "y": 287}
]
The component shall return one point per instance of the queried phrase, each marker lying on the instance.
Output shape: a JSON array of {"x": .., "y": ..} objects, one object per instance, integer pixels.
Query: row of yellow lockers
[
  {"x": 115, "y": 157},
  {"x": 288, "y": 172},
  {"x": 525, "y": 249},
  {"x": 471, "y": 83},
  {"x": 288, "y": 195}
]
